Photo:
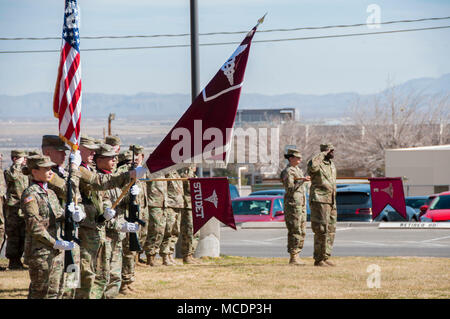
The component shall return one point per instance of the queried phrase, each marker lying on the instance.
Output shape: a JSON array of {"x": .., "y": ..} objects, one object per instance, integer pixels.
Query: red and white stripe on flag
[{"x": 67, "y": 96}]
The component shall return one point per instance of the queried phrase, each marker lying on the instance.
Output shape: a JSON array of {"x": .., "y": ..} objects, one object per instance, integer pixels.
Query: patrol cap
[
  {"x": 125, "y": 156},
  {"x": 106, "y": 150},
  {"x": 34, "y": 152},
  {"x": 55, "y": 142},
  {"x": 293, "y": 152},
  {"x": 326, "y": 147},
  {"x": 113, "y": 140},
  {"x": 18, "y": 153},
  {"x": 36, "y": 161},
  {"x": 89, "y": 143},
  {"x": 138, "y": 149}
]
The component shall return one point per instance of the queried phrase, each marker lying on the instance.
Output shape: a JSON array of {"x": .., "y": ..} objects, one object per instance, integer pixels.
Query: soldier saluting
[
  {"x": 294, "y": 204},
  {"x": 323, "y": 203}
]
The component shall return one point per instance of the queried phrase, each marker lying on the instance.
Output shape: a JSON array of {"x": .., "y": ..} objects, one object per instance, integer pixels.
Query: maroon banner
[
  {"x": 211, "y": 198},
  {"x": 387, "y": 191},
  {"x": 204, "y": 132}
]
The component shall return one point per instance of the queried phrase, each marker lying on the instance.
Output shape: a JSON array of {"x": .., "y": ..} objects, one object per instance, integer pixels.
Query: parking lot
[{"x": 349, "y": 241}]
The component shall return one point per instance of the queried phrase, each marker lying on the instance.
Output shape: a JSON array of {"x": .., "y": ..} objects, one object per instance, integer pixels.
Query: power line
[
  {"x": 228, "y": 43},
  {"x": 226, "y": 33}
]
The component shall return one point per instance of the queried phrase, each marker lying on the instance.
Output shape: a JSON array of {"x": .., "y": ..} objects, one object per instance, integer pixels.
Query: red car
[
  {"x": 439, "y": 209},
  {"x": 258, "y": 209}
]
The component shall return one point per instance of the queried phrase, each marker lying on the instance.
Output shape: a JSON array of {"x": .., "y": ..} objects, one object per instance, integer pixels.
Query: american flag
[{"x": 67, "y": 96}]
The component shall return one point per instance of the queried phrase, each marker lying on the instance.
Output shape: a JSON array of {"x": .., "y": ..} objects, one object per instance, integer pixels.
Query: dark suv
[{"x": 354, "y": 203}]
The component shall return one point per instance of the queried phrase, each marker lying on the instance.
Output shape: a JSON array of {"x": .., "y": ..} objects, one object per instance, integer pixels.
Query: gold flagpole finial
[{"x": 261, "y": 20}]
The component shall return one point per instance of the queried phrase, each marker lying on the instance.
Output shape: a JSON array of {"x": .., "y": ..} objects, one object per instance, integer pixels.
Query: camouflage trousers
[
  {"x": 2, "y": 223},
  {"x": 129, "y": 257},
  {"x": 114, "y": 260},
  {"x": 93, "y": 264},
  {"x": 158, "y": 230},
  {"x": 171, "y": 237},
  {"x": 71, "y": 279},
  {"x": 189, "y": 240},
  {"x": 323, "y": 224},
  {"x": 46, "y": 273},
  {"x": 15, "y": 232},
  {"x": 295, "y": 218},
  {"x": 128, "y": 261}
]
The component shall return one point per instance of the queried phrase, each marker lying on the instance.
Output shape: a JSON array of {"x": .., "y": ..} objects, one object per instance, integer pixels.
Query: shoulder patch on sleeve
[{"x": 28, "y": 199}]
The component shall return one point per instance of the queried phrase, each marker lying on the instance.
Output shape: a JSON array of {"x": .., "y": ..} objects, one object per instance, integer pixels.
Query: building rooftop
[{"x": 423, "y": 148}]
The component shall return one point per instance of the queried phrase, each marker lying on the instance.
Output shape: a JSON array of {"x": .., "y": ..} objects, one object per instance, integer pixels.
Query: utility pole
[
  {"x": 111, "y": 117},
  {"x": 209, "y": 244}
]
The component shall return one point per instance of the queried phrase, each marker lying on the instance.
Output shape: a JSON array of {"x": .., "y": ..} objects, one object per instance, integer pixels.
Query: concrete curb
[{"x": 278, "y": 225}]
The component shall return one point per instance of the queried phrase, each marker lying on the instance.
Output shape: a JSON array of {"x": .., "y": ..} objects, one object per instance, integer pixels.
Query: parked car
[
  {"x": 353, "y": 203},
  {"x": 415, "y": 202},
  {"x": 389, "y": 214},
  {"x": 439, "y": 209},
  {"x": 258, "y": 209},
  {"x": 281, "y": 192},
  {"x": 425, "y": 206},
  {"x": 234, "y": 193}
]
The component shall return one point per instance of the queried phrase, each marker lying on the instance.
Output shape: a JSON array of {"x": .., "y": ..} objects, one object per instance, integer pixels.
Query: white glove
[
  {"x": 77, "y": 213},
  {"x": 109, "y": 214},
  {"x": 130, "y": 228},
  {"x": 140, "y": 171},
  {"x": 135, "y": 190},
  {"x": 75, "y": 158},
  {"x": 63, "y": 245}
]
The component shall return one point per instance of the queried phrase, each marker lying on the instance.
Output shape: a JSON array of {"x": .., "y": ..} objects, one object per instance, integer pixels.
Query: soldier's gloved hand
[
  {"x": 109, "y": 214},
  {"x": 135, "y": 190},
  {"x": 63, "y": 245},
  {"x": 78, "y": 215},
  {"x": 76, "y": 158},
  {"x": 140, "y": 171},
  {"x": 130, "y": 228}
]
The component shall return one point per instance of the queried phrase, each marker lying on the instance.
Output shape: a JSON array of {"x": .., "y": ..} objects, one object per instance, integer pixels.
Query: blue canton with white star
[{"x": 71, "y": 22}]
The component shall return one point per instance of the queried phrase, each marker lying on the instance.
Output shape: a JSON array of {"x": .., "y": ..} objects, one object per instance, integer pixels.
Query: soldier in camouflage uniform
[
  {"x": 2, "y": 204},
  {"x": 323, "y": 204},
  {"x": 174, "y": 207},
  {"x": 157, "y": 218},
  {"x": 43, "y": 214},
  {"x": 54, "y": 147},
  {"x": 16, "y": 183},
  {"x": 294, "y": 205},
  {"x": 189, "y": 240},
  {"x": 140, "y": 192},
  {"x": 94, "y": 266},
  {"x": 117, "y": 227}
]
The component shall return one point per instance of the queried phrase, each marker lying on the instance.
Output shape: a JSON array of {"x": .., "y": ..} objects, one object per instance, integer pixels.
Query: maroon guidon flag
[
  {"x": 67, "y": 96},
  {"x": 387, "y": 191},
  {"x": 204, "y": 132},
  {"x": 211, "y": 198}
]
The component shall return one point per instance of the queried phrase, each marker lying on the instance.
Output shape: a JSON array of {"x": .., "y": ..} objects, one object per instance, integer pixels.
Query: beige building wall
[{"x": 427, "y": 168}]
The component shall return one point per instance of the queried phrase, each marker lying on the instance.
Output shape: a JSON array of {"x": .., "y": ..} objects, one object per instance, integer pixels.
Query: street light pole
[{"x": 209, "y": 244}]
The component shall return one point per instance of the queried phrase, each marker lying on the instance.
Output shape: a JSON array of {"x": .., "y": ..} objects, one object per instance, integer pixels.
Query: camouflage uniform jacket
[
  {"x": 109, "y": 196},
  {"x": 187, "y": 172},
  {"x": 43, "y": 215},
  {"x": 175, "y": 192},
  {"x": 2, "y": 186},
  {"x": 295, "y": 189},
  {"x": 157, "y": 193},
  {"x": 142, "y": 196},
  {"x": 323, "y": 180},
  {"x": 87, "y": 184},
  {"x": 16, "y": 183}
]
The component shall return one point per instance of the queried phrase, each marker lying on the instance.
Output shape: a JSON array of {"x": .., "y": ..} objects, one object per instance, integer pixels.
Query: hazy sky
[{"x": 354, "y": 64}]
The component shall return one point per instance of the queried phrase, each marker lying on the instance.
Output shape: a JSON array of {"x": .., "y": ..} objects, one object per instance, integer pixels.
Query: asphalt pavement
[{"x": 351, "y": 240}]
